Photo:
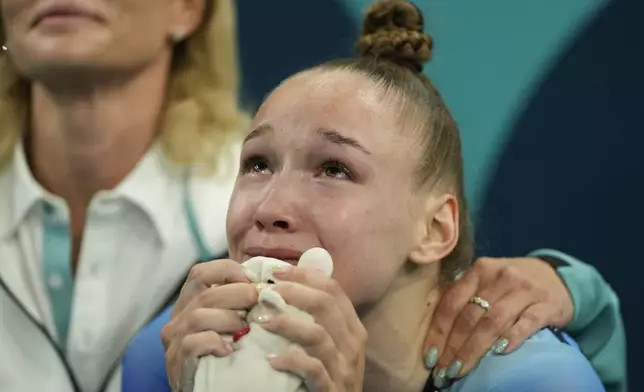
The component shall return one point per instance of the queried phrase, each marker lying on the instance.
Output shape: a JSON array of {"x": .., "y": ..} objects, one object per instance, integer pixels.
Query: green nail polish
[
  {"x": 500, "y": 346},
  {"x": 439, "y": 379},
  {"x": 454, "y": 369},
  {"x": 431, "y": 359}
]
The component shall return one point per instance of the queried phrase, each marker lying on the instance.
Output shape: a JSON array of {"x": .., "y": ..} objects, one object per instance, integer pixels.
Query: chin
[
  {"x": 34, "y": 55},
  {"x": 80, "y": 54},
  {"x": 53, "y": 69},
  {"x": 63, "y": 70}
]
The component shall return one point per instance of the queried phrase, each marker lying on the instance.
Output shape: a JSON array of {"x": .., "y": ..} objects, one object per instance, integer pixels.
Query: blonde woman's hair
[{"x": 202, "y": 116}]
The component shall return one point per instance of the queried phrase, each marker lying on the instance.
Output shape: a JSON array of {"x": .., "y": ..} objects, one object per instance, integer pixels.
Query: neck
[
  {"x": 87, "y": 138},
  {"x": 397, "y": 327}
]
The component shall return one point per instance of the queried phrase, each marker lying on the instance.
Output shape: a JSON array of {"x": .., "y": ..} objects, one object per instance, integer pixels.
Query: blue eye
[{"x": 336, "y": 170}]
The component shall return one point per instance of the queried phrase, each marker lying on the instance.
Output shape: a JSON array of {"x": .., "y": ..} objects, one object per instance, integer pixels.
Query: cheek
[
  {"x": 369, "y": 248},
  {"x": 364, "y": 273},
  {"x": 238, "y": 218},
  {"x": 12, "y": 15},
  {"x": 130, "y": 37}
]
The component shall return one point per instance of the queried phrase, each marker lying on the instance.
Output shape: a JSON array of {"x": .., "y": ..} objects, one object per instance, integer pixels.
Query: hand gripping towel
[{"x": 247, "y": 368}]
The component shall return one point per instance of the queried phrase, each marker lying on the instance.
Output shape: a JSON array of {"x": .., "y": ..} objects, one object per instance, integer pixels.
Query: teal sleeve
[{"x": 597, "y": 322}]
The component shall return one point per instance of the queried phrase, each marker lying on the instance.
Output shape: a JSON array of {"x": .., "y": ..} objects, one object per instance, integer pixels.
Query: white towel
[{"x": 247, "y": 368}]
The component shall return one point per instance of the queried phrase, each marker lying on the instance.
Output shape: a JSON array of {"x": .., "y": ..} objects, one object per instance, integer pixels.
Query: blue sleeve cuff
[
  {"x": 581, "y": 273},
  {"x": 597, "y": 323}
]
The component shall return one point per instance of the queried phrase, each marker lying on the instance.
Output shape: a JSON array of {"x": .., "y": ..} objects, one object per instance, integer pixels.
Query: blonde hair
[{"x": 202, "y": 116}]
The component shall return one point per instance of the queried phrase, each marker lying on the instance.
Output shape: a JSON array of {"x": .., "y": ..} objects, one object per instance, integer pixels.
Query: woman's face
[
  {"x": 44, "y": 35},
  {"x": 327, "y": 165}
]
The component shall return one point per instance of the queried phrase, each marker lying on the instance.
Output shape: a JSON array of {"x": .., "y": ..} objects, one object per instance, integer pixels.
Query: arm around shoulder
[{"x": 597, "y": 324}]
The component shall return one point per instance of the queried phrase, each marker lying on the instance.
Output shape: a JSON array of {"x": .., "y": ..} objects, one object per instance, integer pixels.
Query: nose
[{"x": 275, "y": 213}]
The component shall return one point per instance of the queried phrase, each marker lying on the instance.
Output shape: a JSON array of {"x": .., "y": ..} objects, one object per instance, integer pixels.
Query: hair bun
[{"x": 393, "y": 30}]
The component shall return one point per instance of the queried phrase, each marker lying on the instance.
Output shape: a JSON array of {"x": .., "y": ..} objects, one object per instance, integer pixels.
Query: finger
[
  {"x": 199, "y": 320},
  {"x": 325, "y": 311},
  {"x": 204, "y": 343},
  {"x": 237, "y": 296},
  {"x": 218, "y": 320},
  {"x": 489, "y": 330},
  {"x": 455, "y": 298},
  {"x": 314, "y": 279},
  {"x": 531, "y": 320},
  {"x": 204, "y": 275},
  {"x": 297, "y": 361},
  {"x": 468, "y": 320},
  {"x": 312, "y": 337},
  {"x": 182, "y": 355},
  {"x": 231, "y": 297}
]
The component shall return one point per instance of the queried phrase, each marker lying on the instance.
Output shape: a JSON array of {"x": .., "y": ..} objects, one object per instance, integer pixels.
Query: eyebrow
[
  {"x": 331, "y": 135},
  {"x": 336, "y": 137},
  {"x": 259, "y": 131}
]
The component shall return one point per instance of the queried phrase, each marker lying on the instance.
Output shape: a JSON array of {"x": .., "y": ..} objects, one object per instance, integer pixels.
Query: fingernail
[
  {"x": 242, "y": 314},
  {"x": 500, "y": 346},
  {"x": 317, "y": 270},
  {"x": 454, "y": 369},
  {"x": 229, "y": 348},
  {"x": 431, "y": 358},
  {"x": 281, "y": 269},
  {"x": 439, "y": 379},
  {"x": 264, "y": 318},
  {"x": 271, "y": 356}
]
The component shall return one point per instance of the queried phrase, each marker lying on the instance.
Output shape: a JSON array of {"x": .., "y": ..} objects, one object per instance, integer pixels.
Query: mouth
[
  {"x": 290, "y": 256},
  {"x": 64, "y": 13}
]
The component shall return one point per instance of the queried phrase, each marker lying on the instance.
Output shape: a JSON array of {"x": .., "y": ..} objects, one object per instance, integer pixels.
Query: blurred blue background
[{"x": 548, "y": 95}]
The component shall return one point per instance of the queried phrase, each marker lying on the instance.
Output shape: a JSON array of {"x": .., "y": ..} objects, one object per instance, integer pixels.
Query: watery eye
[
  {"x": 259, "y": 167},
  {"x": 255, "y": 165},
  {"x": 336, "y": 170}
]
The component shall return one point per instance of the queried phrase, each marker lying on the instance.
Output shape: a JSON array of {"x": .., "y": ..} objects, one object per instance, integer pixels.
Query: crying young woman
[{"x": 360, "y": 157}]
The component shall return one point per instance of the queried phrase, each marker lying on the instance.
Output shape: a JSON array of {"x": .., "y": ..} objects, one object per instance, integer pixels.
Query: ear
[
  {"x": 438, "y": 229},
  {"x": 188, "y": 15}
]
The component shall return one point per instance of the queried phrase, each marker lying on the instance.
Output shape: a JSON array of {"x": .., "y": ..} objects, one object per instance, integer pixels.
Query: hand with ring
[{"x": 496, "y": 304}]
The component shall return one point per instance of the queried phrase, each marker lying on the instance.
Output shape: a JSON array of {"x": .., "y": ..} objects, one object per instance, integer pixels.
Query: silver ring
[{"x": 481, "y": 302}]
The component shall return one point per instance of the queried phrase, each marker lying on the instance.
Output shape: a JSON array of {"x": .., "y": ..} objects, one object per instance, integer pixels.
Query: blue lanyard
[
  {"x": 193, "y": 222},
  {"x": 57, "y": 255}
]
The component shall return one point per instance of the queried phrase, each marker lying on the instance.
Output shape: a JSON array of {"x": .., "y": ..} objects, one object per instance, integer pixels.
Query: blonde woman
[
  {"x": 118, "y": 149},
  {"x": 117, "y": 123}
]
